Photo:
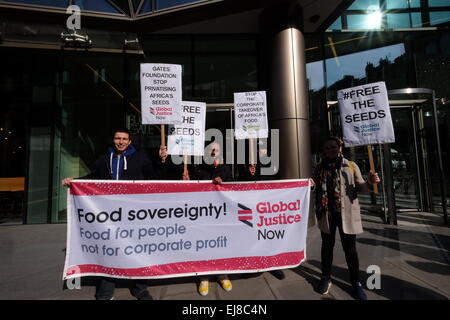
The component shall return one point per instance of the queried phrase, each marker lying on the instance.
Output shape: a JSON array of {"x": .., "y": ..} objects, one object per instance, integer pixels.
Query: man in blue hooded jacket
[{"x": 123, "y": 162}]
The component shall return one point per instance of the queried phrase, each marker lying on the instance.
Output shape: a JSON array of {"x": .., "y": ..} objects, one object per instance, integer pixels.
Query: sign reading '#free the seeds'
[
  {"x": 250, "y": 115},
  {"x": 365, "y": 115},
  {"x": 161, "y": 93},
  {"x": 188, "y": 138}
]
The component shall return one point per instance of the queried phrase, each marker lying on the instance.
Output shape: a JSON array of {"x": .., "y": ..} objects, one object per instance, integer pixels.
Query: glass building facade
[{"x": 61, "y": 102}]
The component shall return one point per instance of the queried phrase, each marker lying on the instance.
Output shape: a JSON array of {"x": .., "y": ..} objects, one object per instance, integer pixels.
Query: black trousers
[
  {"x": 349, "y": 245},
  {"x": 104, "y": 289}
]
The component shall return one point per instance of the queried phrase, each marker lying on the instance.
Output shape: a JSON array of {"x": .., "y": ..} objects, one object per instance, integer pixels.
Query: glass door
[{"x": 405, "y": 160}]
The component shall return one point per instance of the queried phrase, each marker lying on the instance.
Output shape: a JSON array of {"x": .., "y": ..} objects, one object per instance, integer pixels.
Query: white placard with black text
[
  {"x": 365, "y": 115},
  {"x": 161, "y": 93},
  {"x": 250, "y": 115}
]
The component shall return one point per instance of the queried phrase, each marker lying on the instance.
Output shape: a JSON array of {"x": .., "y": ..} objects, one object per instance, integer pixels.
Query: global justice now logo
[{"x": 278, "y": 213}]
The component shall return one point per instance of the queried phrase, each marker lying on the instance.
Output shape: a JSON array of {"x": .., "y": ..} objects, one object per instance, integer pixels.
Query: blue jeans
[{"x": 104, "y": 289}]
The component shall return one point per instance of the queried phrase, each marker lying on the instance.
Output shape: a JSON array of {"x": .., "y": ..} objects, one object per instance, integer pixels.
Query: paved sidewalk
[{"x": 414, "y": 259}]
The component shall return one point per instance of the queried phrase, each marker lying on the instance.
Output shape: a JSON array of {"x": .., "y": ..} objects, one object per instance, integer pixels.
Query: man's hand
[
  {"x": 252, "y": 169},
  {"x": 373, "y": 178},
  {"x": 163, "y": 153},
  {"x": 66, "y": 182},
  {"x": 217, "y": 180},
  {"x": 186, "y": 176},
  {"x": 311, "y": 182}
]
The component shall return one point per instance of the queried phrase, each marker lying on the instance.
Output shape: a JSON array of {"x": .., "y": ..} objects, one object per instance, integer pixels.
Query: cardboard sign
[
  {"x": 161, "y": 93},
  {"x": 365, "y": 115},
  {"x": 250, "y": 115},
  {"x": 188, "y": 137}
]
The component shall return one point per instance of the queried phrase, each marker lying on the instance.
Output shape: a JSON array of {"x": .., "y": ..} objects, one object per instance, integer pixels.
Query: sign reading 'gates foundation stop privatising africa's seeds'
[{"x": 161, "y": 93}]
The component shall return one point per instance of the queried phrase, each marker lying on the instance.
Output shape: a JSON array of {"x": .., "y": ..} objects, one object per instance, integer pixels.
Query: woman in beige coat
[{"x": 337, "y": 182}]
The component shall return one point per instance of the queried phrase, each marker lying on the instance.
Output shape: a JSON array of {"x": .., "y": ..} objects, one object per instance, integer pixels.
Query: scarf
[{"x": 328, "y": 181}]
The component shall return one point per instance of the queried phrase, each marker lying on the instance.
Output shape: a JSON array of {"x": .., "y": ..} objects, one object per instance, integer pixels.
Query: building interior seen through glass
[{"x": 59, "y": 106}]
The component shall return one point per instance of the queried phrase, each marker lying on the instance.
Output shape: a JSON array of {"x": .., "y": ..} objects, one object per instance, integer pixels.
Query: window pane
[
  {"x": 96, "y": 5},
  {"x": 163, "y": 4},
  {"x": 337, "y": 25},
  {"x": 364, "y": 4},
  {"x": 363, "y": 22},
  {"x": 146, "y": 7},
  {"x": 438, "y": 3},
  {"x": 380, "y": 64},
  {"x": 416, "y": 19},
  {"x": 397, "y": 4},
  {"x": 439, "y": 17},
  {"x": 414, "y": 3},
  {"x": 398, "y": 20}
]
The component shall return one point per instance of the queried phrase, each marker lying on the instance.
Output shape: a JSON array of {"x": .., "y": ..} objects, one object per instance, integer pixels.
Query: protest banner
[
  {"x": 163, "y": 229},
  {"x": 161, "y": 94},
  {"x": 250, "y": 118},
  {"x": 366, "y": 117},
  {"x": 188, "y": 137}
]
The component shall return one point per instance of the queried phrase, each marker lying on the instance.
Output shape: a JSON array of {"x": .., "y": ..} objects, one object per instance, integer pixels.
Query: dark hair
[
  {"x": 338, "y": 141},
  {"x": 123, "y": 130}
]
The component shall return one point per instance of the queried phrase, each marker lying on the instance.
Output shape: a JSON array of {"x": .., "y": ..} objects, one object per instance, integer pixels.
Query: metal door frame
[{"x": 431, "y": 93}]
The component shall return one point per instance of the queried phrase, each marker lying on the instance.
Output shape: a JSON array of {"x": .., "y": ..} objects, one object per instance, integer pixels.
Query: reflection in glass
[
  {"x": 398, "y": 20},
  {"x": 439, "y": 17},
  {"x": 397, "y": 4},
  {"x": 364, "y": 4},
  {"x": 438, "y": 3},
  {"x": 367, "y": 66},
  {"x": 51, "y": 3}
]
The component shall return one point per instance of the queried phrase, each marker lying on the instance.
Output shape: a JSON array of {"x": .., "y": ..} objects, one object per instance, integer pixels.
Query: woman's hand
[
  {"x": 373, "y": 178},
  {"x": 217, "y": 180},
  {"x": 311, "y": 182}
]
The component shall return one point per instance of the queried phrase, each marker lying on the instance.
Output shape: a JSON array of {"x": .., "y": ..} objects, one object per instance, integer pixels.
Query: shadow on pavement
[
  {"x": 418, "y": 251},
  {"x": 431, "y": 267},
  {"x": 392, "y": 288}
]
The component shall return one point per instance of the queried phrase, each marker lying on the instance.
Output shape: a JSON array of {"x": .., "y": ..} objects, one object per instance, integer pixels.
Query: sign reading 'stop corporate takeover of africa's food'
[
  {"x": 125, "y": 229},
  {"x": 365, "y": 115},
  {"x": 250, "y": 115},
  {"x": 161, "y": 93}
]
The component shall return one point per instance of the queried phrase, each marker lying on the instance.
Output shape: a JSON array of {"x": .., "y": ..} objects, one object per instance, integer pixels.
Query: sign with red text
[
  {"x": 365, "y": 115},
  {"x": 163, "y": 229},
  {"x": 250, "y": 115},
  {"x": 188, "y": 137},
  {"x": 161, "y": 93}
]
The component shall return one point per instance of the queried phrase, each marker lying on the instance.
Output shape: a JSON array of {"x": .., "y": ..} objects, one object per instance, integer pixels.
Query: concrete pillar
[{"x": 283, "y": 76}]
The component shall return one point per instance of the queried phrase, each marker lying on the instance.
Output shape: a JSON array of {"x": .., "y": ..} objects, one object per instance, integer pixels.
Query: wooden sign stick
[
  {"x": 185, "y": 170},
  {"x": 372, "y": 166},
  {"x": 251, "y": 155}
]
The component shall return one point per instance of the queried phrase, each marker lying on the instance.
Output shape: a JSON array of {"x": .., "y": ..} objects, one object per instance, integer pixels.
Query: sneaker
[
  {"x": 324, "y": 285},
  {"x": 144, "y": 296},
  {"x": 203, "y": 288},
  {"x": 279, "y": 274},
  {"x": 358, "y": 292},
  {"x": 226, "y": 284}
]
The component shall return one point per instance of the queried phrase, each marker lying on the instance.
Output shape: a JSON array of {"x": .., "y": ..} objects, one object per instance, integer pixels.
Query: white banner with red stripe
[{"x": 163, "y": 229}]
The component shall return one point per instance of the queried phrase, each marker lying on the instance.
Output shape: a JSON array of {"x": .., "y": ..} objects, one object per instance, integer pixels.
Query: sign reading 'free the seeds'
[{"x": 365, "y": 115}]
